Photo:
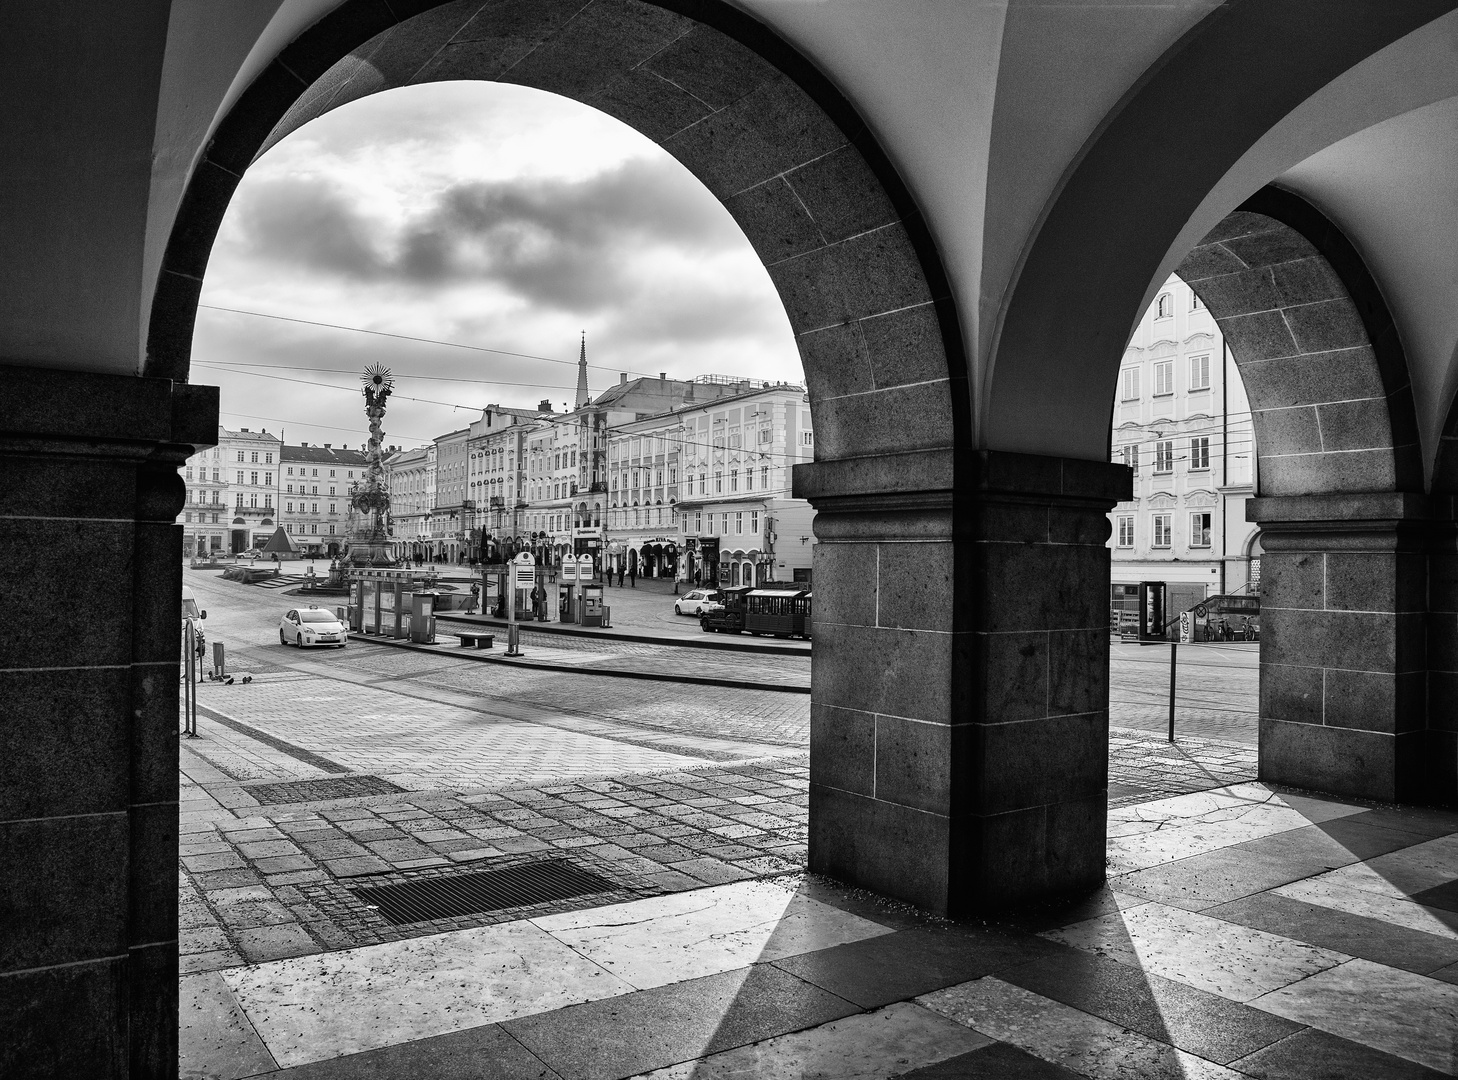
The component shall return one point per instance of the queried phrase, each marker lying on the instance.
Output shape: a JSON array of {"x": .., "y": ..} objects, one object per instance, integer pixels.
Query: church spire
[{"x": 582, "y": 397}]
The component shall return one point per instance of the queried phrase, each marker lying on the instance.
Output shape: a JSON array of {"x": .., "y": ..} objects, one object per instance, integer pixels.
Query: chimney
[
  {"x": 327, "y": 446},
  {"x": 544, "y": 406},
  {"x": 663, "y": 376},
  {"x": 244, "y": 430},
  {"x": 622, "y": 381},
  {"x": 302, "y": 445}
]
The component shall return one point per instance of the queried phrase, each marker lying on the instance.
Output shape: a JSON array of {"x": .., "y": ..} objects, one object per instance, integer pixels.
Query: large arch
[
  {"x": 1342, "y": 690},
  {"x": 869, "y": 302}
]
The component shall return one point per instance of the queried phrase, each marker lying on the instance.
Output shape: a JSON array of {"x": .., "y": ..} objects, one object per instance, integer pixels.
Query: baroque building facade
[
  {"x": 231, "y": 503},
  {"x": 314, "y": 501},
  {"x": 1182, "y": 423}
]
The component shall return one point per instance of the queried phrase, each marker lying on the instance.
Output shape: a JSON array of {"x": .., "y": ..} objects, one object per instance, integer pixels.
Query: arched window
[{"x": 1165, "y": 306}]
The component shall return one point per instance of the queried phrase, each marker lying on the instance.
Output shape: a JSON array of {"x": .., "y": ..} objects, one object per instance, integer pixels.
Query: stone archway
[
  {"x": 869, "y": 302},
  {"x": 1343, "y": 577}
]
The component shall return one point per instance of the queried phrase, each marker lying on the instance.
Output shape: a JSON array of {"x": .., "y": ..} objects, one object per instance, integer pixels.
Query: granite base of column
[{"x": 959, "y": 728}]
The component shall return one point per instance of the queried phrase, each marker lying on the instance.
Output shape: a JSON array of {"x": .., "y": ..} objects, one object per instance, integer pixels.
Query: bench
[{"x": 476, "y": 641}]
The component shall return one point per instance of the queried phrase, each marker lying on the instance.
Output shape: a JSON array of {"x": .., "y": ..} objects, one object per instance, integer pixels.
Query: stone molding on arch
[
  {"x": 1317, "y": 349},
  {"x": 847, "y": 248}
]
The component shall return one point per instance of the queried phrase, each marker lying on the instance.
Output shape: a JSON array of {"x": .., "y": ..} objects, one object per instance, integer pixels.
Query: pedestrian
[
  {"x": 633, "y": 576},
  {"x": 620, "y": 575}
]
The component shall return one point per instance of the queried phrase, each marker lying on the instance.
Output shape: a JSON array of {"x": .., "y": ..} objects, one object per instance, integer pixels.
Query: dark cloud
[
  {"x": 309, "y": 223},
  {"x": 568, "y": 244}
]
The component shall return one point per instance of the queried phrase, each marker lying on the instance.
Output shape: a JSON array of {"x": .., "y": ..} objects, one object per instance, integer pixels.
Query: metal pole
[
  {"x": 1173, "y": 647},
  {"x": 189, "y": 696}
]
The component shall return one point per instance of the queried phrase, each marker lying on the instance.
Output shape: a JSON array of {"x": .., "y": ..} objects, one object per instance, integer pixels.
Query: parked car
[
  {"x": 697, "y": 602},
  {"x": 312, "y": 626}
]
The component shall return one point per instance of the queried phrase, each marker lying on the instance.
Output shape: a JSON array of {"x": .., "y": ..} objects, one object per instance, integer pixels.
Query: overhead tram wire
[{"x": 406, "y": 337}]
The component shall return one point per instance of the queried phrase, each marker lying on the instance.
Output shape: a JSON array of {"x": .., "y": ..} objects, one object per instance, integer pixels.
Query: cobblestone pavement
[{"x": 260, "y": 882}]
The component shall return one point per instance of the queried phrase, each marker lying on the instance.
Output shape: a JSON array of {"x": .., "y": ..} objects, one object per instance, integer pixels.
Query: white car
[
  {"x": 697, "y": 602},
  {"x": 312, "y": 626}
]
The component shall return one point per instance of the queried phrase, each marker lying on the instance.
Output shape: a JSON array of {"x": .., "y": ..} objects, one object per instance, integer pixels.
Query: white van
[{"x": 191, "y": 613}]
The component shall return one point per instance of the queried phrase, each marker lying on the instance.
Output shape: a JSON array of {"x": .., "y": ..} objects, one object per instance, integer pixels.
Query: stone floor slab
[
  {"x": 1209, "y": 954},
  {"x": 1362, "y": 890},
  {"x": 1319, "y": 1055},
  {"x": 316, "y": 1007},
  {"x": 997, "y": 1061},
  {"x": 479, "y": 1053},
  {"x": 870, "y": 1046},
  {"x": 895, "y": 967},
  {"x": 668, "y": 1025},
  {"x": 687, "y": 935},
  {"x": 1167, "y": 1011},
  {"x": 1342, "y": 931},
  {"x": 1055, "y": 1032},
  {"x": 1407, "y": 1015},
  {"x": 215, "y": 1039}
]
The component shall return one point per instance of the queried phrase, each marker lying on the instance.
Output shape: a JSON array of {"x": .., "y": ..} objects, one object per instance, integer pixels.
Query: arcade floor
[{"x": 1243, "y": 932}]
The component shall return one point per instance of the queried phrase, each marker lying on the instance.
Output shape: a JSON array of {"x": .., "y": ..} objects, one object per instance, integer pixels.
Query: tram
[{"x": 777, "y": 612}]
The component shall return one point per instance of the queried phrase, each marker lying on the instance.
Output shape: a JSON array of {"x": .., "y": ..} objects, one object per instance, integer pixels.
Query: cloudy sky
[{"x": 484, "y": 215}]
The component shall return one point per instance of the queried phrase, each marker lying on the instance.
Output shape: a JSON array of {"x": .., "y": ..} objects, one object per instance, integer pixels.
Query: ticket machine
[{"x": 592, "y": 608}]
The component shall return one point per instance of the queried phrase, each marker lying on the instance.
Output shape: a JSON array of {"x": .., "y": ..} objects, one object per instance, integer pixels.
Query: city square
[{"x": 730, "y": 538}]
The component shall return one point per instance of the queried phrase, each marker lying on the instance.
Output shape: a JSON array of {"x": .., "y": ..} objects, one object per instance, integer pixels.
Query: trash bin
[{"x": 422, "y": 618}]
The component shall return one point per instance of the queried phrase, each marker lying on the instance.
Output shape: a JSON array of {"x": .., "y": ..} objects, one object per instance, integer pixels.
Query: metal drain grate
[
  {"x": 335, "y": 787},
  {"x": 490, "y": 890}
]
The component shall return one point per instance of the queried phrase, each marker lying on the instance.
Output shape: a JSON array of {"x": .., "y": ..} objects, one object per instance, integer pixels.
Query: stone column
[
  {"x": 1344, "y": 681},
  {"x": 88, "y": 729},
  {"x": 959, "y": 724},
  {"x": 1442, "y": 740}
]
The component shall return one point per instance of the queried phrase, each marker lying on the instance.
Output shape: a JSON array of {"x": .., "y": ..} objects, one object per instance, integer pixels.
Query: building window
[
  {"x": 187, "y": 517},
  {"x": 313, "y": 508},
  {"x": 718, "y": 483},
  {"x": 1126, "y": 530},
  {"x": 702, "y": 478},
  {"x": 290, "y": 490},
  {"x": 1164, "y": 306},
  {"x": 253, "y": 501},
  {"x": 331, "y": 530},
  {"x": 1164, "y": 456},
  {"x": 240, "y": 478},
  {"x": 754, "y": 522},
  {"x": 291, "y": 470},
  {"x": 1195, "y": 304},
  {"x": 240, "y": 457},
  {"x": 1130, "y": 456},
  {"x": 254, "y": 460},
  {"x": 334, "y": 508},
  {"x": 733, "y": 479},
  {"x": 1130, "y": 391},
  {"x": 764, "y": 476},
  {"x": 739, "y": 523},
  {"x": 240, "y": 500},
  {"x": 724, "y": 524},
  {"x": 316, "y": 472},
  {"x": 189, "y": 472},
  {"x": 1200, "y": 372},
  {"x": 315, "y": 489},
  {"x": 1161, "y": 530},
  {"x": 698, "y": 521},
  {"x": 1164, "y": 378},
  {"x": 807, "y": 438},
  {"x": 1200, "y": 453},
  {"x": 268, "y": 459},
  {"x": 314, "y": 529},
  {"x": 1200, "y": 530},
  {"x": 268, "y": 479},
  {"x": 290, "y": 507}
]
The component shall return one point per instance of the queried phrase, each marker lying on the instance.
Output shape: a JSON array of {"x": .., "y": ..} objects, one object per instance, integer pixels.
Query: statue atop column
[{"x": 370, "y": 496}]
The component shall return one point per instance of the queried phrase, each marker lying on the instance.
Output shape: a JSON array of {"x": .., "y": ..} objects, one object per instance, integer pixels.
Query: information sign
[{"x": 569, "y": 569}]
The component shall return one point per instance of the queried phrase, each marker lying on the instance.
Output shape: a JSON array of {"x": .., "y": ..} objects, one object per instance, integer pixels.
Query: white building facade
[
  {"x": 232, "y": 493},
  {"x": 703, "y": 492},
  {"x": 1182, "y": 421},
  {"x": 314, "y": 504}
]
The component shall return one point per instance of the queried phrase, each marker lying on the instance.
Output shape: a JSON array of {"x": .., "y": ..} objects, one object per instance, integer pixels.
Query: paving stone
[{"x": 275, "y": 942}]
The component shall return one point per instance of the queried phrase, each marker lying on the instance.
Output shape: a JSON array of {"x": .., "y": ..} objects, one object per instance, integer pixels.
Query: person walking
[
  {"x": 620, "y": 575},
  {"x": 633, "y": 577}
]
